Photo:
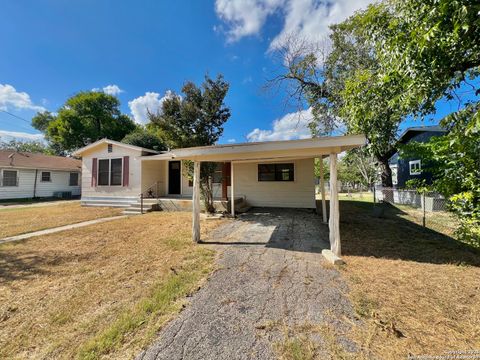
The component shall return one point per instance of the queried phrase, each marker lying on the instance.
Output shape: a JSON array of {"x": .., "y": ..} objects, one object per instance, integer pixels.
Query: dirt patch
[
  {"x": 100, "y": 290},
  {"x": 21, "y": 220}
]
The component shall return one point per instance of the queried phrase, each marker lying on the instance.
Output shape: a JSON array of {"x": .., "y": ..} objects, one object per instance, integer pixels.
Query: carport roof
[{"x": 304, "y": 148}]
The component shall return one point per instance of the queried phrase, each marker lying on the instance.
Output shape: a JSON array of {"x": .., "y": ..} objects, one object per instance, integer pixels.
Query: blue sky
[{"x": 139, "y": 50}]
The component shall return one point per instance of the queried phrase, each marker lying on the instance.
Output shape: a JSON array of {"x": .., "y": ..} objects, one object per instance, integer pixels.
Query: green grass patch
[{"x": 150, "y": 313}]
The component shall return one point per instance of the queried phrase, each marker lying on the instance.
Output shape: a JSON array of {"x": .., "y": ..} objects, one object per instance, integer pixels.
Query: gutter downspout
[{"x": 35, "y": 184}]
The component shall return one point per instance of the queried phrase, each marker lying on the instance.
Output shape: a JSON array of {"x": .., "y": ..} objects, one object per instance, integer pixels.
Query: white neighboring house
[{"x": 29, "y": 175}]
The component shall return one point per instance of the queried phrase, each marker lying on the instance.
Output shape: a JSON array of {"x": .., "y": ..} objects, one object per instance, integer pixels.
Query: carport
[{"x": 271, "y": 152}]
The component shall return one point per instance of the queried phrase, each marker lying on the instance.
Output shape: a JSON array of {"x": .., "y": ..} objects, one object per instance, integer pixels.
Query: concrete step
[
  {"x": 82, "y": 203},
  {"x": 106, "y": 202},
  {"x": 139, "y": 208},
  {"x": 130, "y": 212}
]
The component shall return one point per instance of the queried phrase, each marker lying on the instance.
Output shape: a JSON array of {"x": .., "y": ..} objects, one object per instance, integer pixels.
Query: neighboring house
[
  {"x": 29, "y": 175},
  {"x": 404, "y": 169},
  {"x": 265, "y": 174}
]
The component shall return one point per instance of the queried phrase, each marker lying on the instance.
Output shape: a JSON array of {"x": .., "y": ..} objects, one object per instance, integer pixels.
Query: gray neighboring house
[
  {"x": 404, "y": 169},
  {"x": 30, "y": 175}
]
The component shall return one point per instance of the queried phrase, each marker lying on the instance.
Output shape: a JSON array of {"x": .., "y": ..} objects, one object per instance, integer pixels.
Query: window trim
[
  {"x": 49, "y": 177},
  {"x": 109, "y": 172},
  {"x": 415, "y": 162},
  {"x": 275, "y": 172},
  {"x": 70, "y": 178},
  {"x": 17, "y": 179}
]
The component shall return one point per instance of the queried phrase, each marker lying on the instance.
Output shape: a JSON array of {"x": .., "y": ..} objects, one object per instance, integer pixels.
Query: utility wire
[{"x": 18, "y": 117}]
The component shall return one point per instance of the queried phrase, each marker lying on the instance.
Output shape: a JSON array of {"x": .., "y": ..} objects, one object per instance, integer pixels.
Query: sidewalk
[{"x": 58, "y": 229}]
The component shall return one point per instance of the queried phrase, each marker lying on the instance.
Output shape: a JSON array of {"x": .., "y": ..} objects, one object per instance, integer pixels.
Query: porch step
[
  {"x": 136, "y": 208},
  {"x": 106, "y": 201}
]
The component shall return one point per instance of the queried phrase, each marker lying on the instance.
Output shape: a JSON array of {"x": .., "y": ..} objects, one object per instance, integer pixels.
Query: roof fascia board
[
  {"x": 314, "y": 147},
  {"x": 113, "y": 142}
]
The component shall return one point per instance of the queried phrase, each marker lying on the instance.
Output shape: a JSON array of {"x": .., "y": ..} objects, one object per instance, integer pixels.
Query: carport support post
[
  {"x": 322, "y": 189},
  {"x": 196, "y": 202},
  {"x": 334, "y": 221},
  {"x": 232, "y": 190}
]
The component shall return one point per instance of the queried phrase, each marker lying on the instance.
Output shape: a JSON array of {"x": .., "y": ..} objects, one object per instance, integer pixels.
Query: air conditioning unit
[{"x": 63, "y": 194}]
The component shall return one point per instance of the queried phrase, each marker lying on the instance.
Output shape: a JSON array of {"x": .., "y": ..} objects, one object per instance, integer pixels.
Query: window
[
  {"x": 109, "y": 148},
  {"x": 46, "y": 176},
  {"x": 275, "y": 172},
  {"x": 415, "y": 167},
  {"x": 110, "y": 172},
  {"x": 116, "y": 172},
  {"x": 103, "y": 172},
  {"x": 73, "y": 179},
  {"x": 218, "y": 173},
  {"x": 9, "y": 178}
]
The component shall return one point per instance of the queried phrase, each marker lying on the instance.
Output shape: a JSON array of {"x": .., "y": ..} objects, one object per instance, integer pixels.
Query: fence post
[
  {"x": 141, "y": 203},
  {"x": 374, "y": 195},
  {"x": 424, "y": 206}
]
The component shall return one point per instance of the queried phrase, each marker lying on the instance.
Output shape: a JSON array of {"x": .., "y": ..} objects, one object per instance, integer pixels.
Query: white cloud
[
  {"x": 309, "y": 19},
  {"x": 245, "y": 17},
  {"x": 11, "y": 98},
  {"x": 16, "y": 135},
  {"x": 150, "y": 102},
  {"x": 231, "y": 141},
  {"x": 110, "y": 90},
  {"x": 291, "y": 126}
]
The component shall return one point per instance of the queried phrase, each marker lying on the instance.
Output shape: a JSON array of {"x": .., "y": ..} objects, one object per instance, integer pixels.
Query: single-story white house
[
  {"x": 266, "y": 174},
  {"x": 30, "y": 175}
]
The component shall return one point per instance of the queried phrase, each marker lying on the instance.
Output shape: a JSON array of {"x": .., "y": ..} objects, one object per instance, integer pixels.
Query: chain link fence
[{"x": 428, "y": 209}]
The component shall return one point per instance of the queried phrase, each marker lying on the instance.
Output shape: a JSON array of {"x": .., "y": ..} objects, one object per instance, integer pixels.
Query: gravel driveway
[{"x": 271, "y": 285}]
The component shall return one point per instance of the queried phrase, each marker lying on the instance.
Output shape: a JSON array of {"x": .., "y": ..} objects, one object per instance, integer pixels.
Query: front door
[{"x": 174, "y": 177}]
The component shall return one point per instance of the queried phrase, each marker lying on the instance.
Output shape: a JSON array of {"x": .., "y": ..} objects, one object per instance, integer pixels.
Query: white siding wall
[
  {"x": 26, "y": 181},
  {"x": 188, "y": 190},
  {"x": 299, "y": 193},
  {"x": 135, "y": 172},
  {"x": 154, "y": 171}
]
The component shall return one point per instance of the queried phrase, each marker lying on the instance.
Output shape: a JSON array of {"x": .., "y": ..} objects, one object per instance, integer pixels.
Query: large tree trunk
[{"x": 386, "y": 172}]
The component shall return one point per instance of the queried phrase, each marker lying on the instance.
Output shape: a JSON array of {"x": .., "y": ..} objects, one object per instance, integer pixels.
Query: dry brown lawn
[
  {"x": 417, "y": 290},
  {"x": 101, "y": 291},
  {"x": 15, "y": 221}
]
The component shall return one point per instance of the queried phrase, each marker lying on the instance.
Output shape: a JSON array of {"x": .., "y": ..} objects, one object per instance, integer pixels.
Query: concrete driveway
[{"x": 272, "y": 286}]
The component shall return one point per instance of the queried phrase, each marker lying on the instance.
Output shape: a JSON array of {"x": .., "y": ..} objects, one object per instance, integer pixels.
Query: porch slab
[{"x": 179, "y": 203}]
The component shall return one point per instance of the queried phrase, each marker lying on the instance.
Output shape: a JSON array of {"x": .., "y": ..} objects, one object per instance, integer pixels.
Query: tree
[
  {"x": 143, "y": 138},
  {"x": 84, "y": 118},
  {"x": 454, "y": 161},
  {"x": 343, "y": 89},
  {"x": 194, "y": 119},
  {"x": 362, "y": 164},
  {"x": 427, "y": 48},
  {"x": 42, "y": 119},
  {"x": 26, "y": 146}
]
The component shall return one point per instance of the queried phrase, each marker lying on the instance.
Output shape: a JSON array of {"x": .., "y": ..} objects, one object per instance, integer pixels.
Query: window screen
[
  {"x": 103, "y": 172},
  {"x": 9, "y": 178},
  {"x": 116, "y": 172},
  {"x": 46, "y": 176},
  {"x": 109, "y": 148},
  {"x": 275, "y": 172},
  {"x": 73, "y": 179}
]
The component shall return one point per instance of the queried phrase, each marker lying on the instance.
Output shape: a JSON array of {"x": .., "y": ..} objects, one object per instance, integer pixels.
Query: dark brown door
[{"x": 174, "y": 177}]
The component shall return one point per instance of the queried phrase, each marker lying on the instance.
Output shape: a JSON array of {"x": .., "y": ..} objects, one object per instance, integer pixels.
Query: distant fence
[
  {"x": 428, "y": 201},
  {"x": 428, "y": 209}
]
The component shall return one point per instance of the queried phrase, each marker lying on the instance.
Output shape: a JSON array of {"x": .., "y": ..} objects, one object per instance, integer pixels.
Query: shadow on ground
[
  {"x": 380, "y": 231},
  {"x": 367, "y": 231},
  {"x": 281, "y": 228}
]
